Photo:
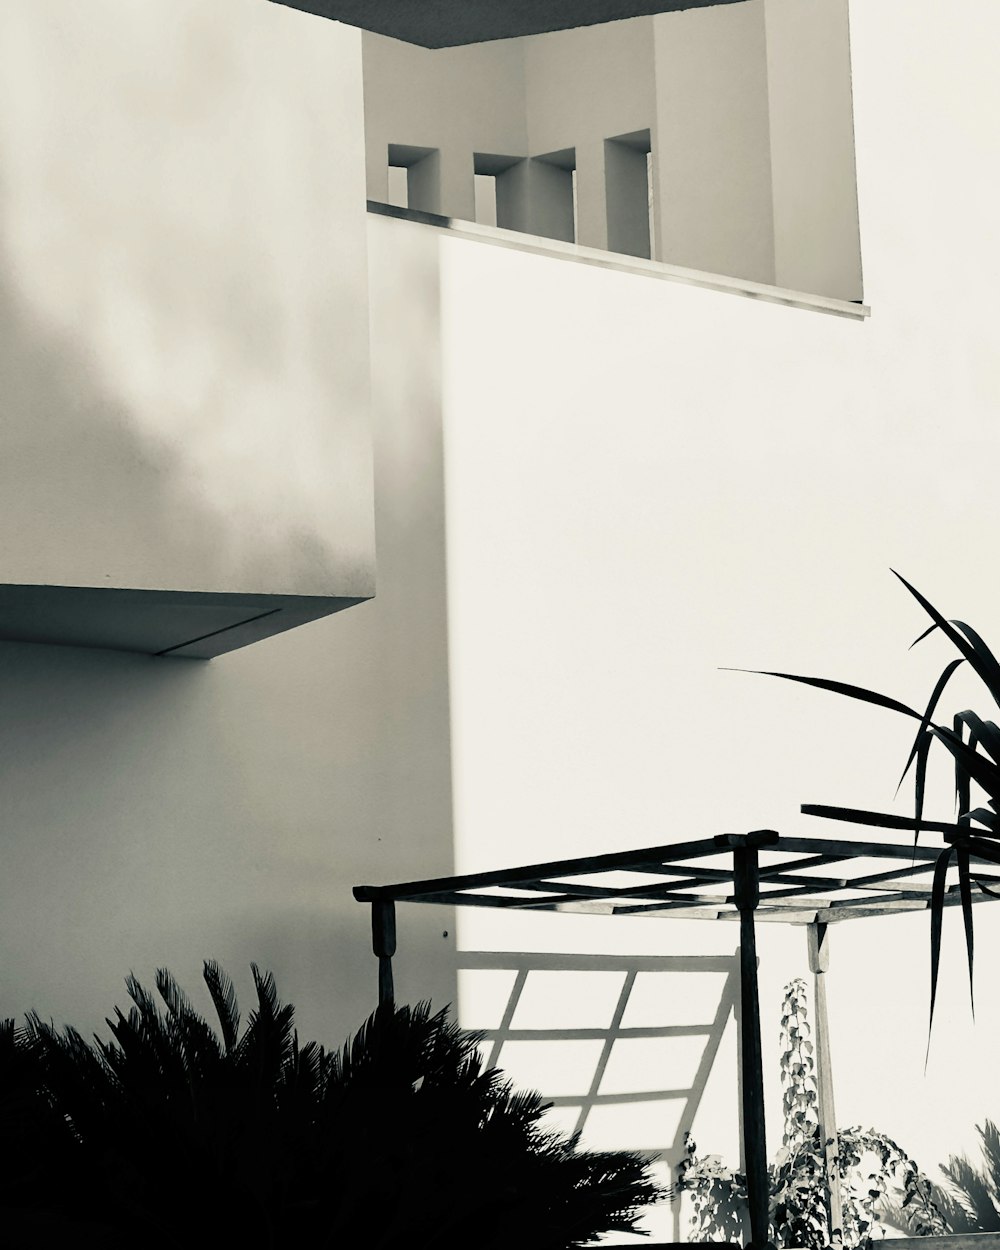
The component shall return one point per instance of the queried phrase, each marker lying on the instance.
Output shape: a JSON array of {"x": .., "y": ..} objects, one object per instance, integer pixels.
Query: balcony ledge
[
  {"x": 539, "y": 246},
  {"x": 180, "y": 624}
]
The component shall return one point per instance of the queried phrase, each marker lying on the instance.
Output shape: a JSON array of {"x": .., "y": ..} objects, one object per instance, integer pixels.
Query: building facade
[{"x": 555, "y": 486}]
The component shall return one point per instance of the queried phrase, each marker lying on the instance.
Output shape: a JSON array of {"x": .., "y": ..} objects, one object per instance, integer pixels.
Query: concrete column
[
  {"x": 423, "y": 183},
  {"x": 377, "y": 170},
  {"x": 443, "y": 182},
  {"x": 817, "y": 244},
  {"x": 626, "y": 191},
  {"x": 712, "y": 143},
  {"x": 591, "y": 195},
  {"x": 536, "y": 196}
]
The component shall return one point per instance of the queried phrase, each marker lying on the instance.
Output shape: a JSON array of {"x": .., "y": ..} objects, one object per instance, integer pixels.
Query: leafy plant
[
  {"x": 403, "y": 1138},
  {"x": 973, "y": 744},
  {"x": 971, "y": 1197},
  {"x": 875, "y": 1173}
]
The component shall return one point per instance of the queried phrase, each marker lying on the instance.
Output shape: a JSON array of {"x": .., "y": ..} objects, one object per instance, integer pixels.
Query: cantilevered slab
[
  {"x": 449, "y": 23},
  {"x": 185, "y": 437},
  {"x": 184, "y": 624}
]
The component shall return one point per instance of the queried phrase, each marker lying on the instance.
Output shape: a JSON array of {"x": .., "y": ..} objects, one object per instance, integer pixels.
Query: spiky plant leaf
[
  {"x": 860, "y": 693},
  {"x": 972, "y": 647},
  {"x": 880, "y": 820},
  {"x": 224, "y": 998},
  {"x": 974, "y": 761}
]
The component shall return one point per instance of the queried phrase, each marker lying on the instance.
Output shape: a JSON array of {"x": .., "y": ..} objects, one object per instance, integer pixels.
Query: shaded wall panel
[
  {"x": 185, "y": 401},
  {"x": 711, "y": 141},
  {"x": 817, "y": 243}
]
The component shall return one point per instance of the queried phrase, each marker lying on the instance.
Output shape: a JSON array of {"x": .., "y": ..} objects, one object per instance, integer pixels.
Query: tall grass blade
[
  {"x": 980, "y": 768},
  {"x": 928, "y": 715},
  {"x": 981, "y": 847},
  {"x": 986, "y": 817},
  {"x": 880, "y": 820},
  {"x": 937, "y": 915},
  {"x": 986, "y": 731},
  {"x": 965, "y": 888},
  {"x": 983, "y": 661},
  {"x": 963, "y": 780},
  {"x": 836, "y": 687},
  {"x": 919, "y": 785},
  {"x": 920, "y": 637},
  {"x": 986, "y": 658}
]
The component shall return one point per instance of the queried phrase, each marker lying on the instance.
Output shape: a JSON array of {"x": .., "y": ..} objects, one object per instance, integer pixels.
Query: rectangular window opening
[
  {"x": 629, "y": 189},
  {"x": 420, "y": 170},
  {"x": 498, "y": 189},
  {"x": 553, "y": 195}
]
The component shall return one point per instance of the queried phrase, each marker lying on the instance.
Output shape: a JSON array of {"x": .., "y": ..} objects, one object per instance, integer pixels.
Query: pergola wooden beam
[{"x": 677, "y": 889}]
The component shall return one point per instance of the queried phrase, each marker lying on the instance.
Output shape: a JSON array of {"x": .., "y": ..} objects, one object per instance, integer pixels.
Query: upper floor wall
[
  {"x": 185, "y": 452},
  {"x": 718, "y": 139}
]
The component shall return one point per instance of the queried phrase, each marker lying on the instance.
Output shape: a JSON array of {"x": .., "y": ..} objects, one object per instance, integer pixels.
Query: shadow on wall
[
  {"x": 621, "y": 1046},
  {"x": 92, "y": 496},
  {"x": 159, "y": 811}
]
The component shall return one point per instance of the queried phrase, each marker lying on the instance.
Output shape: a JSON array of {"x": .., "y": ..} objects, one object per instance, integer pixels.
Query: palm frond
[
  {"x": 266, "y": 1042},
  {"x": 224, "y": 998}
]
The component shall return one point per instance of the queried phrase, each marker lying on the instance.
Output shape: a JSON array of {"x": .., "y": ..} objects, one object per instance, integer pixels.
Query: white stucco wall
[
  {"x": 458, "y": 100},
  {"x": 644, "y": 482},
  {"x": 816, "y": 243},
  {"x": 647, "y": 482},
  {"x": 185, "y": 353},
  {"x": 748, "y": 108},
  {"x": 711, "y": 152},
  {"x": 162, "y": 811}
]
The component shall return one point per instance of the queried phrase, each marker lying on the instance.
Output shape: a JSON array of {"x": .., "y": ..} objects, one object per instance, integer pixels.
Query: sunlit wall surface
[{"x": 647, "y": 482}]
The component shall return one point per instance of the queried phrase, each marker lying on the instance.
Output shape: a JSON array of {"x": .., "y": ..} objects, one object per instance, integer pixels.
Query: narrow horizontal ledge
[
  {"x": 559, "y": 961},
  {"x": 596, "y": 1035},
  {"x": 611, "y": 1100},
  {"x": 617, "y": 261}
]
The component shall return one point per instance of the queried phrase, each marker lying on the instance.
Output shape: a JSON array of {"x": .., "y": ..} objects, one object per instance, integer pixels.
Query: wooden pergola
[{"x": 764, "y": 875}]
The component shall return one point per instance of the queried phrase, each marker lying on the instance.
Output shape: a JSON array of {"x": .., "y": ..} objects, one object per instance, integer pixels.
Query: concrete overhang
[
  {"x": 185, "y": 624},
  {"x": 449, "y": 23}
]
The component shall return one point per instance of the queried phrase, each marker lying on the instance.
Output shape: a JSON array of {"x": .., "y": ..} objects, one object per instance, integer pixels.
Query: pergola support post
[
  {"x": 746, "y": 882},
  {"x": 384, "y": 946},
  {"x": 819, "y": 963}
]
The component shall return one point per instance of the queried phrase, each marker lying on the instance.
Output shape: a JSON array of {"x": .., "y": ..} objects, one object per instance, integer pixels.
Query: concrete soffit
[{"x": 451, "y": 23}]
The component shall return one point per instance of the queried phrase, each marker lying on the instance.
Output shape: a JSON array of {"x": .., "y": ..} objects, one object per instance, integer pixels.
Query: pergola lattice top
[
  {"x": 802, "y": 881},
  {"x": 745, "y": 877}
]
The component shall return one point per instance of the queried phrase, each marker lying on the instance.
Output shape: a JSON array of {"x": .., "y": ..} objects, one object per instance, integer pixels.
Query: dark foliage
[{"x": 403, "y": 1139}]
